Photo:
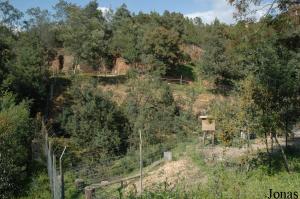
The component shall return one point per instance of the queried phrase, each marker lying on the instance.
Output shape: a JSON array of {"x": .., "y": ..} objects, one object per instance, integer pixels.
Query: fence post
[
  {"x": 54, "y": 177},
  {"x": 62, "y": 185},
  {"x": 89, "y": 192},
  {"x": 50, "y": 166},
  {"x": 181, "y": 79},
  {"x": 44, "y": 132}
]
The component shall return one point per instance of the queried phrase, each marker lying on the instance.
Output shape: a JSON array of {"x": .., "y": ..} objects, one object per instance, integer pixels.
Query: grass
[
  {"x": 234, "y": 182},
  {"x": 223, "y": 181},
  {"x": 38, "y": 187}
]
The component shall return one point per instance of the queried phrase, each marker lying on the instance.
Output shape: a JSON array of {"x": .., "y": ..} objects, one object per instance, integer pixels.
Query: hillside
[{"x": 111, "y": 103}]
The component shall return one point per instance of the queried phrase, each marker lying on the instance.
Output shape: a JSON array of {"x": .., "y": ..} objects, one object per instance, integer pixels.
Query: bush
[
  {"x": 94, "y": 121},
  {"x": 15, "y": 137}
]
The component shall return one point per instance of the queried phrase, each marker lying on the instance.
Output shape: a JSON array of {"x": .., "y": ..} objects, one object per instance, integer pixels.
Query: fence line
[
  {"x": 56, "y": 179},
  {"x": 93, "y": 172},
  {"x": 124, "y": 179},
  {"x": 90, "y": 190}
]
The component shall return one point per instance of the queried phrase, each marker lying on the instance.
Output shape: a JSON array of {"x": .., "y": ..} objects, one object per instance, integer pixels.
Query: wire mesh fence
[
  {"x": 55, "y": 177},
  {"x": 107, "y": 169},
  {"x": 108, "y": 174},
  {"x": 91, "y": 167}
]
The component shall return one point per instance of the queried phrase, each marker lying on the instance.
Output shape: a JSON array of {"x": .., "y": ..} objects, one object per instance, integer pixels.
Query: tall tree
[
  {"x": 161, "y": 48},
  {"x": 15, "y": 137},
  {"x": 28, "y": 73},
  {"x": 86, "y": 35},
  {"x": 150, "y": 108},
  {"x": 94, "y": 121},
  {"x": 216, "y": 61},
  {"x": 124, "y": 42},
  {"x": 10, "y": 16}
]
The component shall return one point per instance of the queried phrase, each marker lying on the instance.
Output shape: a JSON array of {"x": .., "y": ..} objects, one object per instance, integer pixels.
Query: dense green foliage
[
  {"x": 256, "y": 65},
  {"x": 95, "y": 122},
  {"x": 149, "y": 40},
  {"x": 150, "y": 109},
  {"x": 266, "y": 73},
  {"x": 15, "y": 136},
  {"x": 23, "y": 61},
  {"x": 85, "y": 34}
]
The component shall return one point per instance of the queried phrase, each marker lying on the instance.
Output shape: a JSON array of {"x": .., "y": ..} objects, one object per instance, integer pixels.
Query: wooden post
[
  {"x": 181, "y": 79},
  {"x": 141, "y": 162},
  {"x": 204, "y": 136},
  {"x": 89, "y": 192}
]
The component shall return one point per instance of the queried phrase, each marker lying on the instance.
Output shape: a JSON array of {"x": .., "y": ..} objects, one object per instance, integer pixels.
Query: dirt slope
[{"x": 180, "y": 172}]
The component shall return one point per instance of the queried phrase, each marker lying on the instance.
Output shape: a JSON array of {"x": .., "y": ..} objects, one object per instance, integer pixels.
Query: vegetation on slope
[{"x": 255, "y": 65}]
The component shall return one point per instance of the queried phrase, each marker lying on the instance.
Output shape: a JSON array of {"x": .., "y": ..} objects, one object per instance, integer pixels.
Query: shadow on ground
[
  {"x": 186, "y": 71},
  {"x": 274, "y": 161},
  {"x": 119, "y": 79}
]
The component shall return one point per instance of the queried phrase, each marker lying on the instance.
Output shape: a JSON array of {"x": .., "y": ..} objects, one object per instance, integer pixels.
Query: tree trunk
[
  {"x": 286, "y": 134},
  {"x": 272, "y": 142},
  {"x": 283, "y": 155},
  {"x": 286, "y": 139},
  {"x": 248, "y": 140},
  {"x": 269, "y": 155}
]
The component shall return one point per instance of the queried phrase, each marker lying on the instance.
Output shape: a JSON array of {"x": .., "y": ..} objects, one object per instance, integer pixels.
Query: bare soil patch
[{"x": 172, "y": 173}]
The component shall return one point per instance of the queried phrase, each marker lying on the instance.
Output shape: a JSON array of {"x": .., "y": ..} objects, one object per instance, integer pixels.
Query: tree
[
  {"x": 124, "y": 42},
  {"x": 173, "y": 21},
  {"x": 15, "y": 136},
  {"x": 95, "y": 122},
  {"x": 23, "y": 61},
  {"x": 86, "y": 35},
  {"x": 194, "y": 32},
  {"x": 161, "y": 46},
  {"x": 10, "y": 16},
  {"x": 6, "y": 52},
  {"x": 28, "y": 74},
  {"x": 9, "y": 19},
  {"x": 40, "y": 24},
  {"x": 150, "y": 108},
  {"x": 245, "y": 8},
  {"x": 277, "y": 89},
  {"x": 216, "y": 61}
]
